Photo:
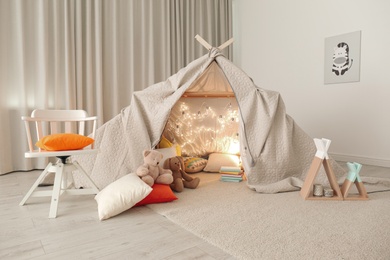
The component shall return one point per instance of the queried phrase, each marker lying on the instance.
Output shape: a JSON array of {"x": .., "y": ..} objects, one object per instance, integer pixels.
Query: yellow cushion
[
  {"x": 165, "y": 143},
  {"x": 178, "y": 150},
  {"x": 62, "y": 142}
]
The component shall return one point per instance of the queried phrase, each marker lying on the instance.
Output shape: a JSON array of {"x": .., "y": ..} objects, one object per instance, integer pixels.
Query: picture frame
[{"x": 342, "y": 58}]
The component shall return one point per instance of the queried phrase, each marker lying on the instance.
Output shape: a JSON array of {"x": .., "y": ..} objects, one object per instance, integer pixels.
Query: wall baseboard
[{"x": 360, "y": 159}]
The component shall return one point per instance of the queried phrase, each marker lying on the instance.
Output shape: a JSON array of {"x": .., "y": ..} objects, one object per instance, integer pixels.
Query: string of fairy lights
[{"x": 204, "y": 129}]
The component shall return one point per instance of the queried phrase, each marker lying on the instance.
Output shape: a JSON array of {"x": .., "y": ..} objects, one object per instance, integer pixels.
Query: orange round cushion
[{"x": 63, "y": 142}]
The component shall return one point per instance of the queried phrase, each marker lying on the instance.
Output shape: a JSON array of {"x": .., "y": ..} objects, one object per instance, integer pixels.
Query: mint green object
[{"x": 354, "y": 169}]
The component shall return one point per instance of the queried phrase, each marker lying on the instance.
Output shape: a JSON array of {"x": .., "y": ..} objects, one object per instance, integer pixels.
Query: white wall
[{"x": 280, "y": 44}]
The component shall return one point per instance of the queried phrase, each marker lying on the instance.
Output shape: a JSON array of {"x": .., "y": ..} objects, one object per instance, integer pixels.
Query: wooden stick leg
[
  {"x": 332, "y": 178},
  {"x": 345, "y": 187},
  {"x": 361, "y": 189},
  {"x": 311, "y": 175}
]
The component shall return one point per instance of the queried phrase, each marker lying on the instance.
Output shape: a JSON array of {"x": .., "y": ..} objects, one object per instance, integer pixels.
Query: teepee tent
[{"x": 275, "y": 152}]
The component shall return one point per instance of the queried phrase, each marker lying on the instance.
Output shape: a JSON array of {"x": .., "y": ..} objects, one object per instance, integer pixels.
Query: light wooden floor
[
  {"x": 26, "y": 232},
  {"x": 139, "y": 233}
]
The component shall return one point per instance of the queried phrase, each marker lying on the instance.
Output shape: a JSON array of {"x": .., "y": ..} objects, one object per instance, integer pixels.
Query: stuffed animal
[
  {"x": 180, "y": 178},
  {"x": 151, "y": 172}
]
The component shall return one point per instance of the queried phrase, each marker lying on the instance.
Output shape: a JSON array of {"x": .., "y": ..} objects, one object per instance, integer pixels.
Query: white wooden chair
[{"x": 53, "y": 122}]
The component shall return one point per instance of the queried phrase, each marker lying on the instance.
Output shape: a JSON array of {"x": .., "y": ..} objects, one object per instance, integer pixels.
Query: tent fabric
[
  {"x": 275, "y": 151},
  {"x": 212, "y": 81}
]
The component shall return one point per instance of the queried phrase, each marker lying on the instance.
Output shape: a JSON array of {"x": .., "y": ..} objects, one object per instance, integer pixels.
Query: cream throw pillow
[
  {"x": 217, "y": 160},
  {"x": 121, "y": 195}
]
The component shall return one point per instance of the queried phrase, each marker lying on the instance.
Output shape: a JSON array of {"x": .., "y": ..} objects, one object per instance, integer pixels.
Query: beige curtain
[{"x": 93, "y": 55}]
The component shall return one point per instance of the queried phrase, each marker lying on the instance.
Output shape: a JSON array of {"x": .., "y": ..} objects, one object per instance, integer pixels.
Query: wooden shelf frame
[
  {"x": 321, "y": 158},
  {"x": 353, "y": 177}
]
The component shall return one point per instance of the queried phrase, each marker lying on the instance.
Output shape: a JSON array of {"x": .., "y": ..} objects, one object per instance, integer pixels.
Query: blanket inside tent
[{"x": 276, "y": 153}]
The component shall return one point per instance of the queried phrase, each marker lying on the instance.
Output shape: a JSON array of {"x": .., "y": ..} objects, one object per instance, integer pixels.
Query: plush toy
[
  {"x": 151, "y": 172},
  {"x": 180, "y": 178}
]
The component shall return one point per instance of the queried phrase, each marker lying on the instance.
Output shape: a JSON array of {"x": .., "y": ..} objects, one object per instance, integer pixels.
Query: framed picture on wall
[{"x": 342, "y": 58}]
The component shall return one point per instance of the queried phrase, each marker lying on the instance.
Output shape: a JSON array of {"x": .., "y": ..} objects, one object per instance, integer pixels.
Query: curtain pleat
[{"x": 93, "y": 55}]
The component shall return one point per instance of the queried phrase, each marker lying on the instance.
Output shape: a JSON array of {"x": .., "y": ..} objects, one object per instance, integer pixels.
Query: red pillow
[{"x": 160, "y": 193}]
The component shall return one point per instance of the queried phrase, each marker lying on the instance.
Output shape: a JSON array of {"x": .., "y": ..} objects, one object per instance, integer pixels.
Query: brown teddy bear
[
  {"x": 151, "y": 172},
  {"x": 180, "y": 178}
]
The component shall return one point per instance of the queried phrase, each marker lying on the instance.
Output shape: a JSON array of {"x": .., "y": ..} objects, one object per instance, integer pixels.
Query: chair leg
[
  {"x": 60, "y": 185},
  {"x": 35, "y": 185},
  {"x": 56, "y": 190},
  {"x": 82, "y": 171}
]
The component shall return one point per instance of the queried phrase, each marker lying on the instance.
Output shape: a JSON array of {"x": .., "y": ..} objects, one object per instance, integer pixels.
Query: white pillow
[
  {"x": 217, "y": 160},
  {"x": 121, "y": 195},
  {"x": 167, "y": 153}
]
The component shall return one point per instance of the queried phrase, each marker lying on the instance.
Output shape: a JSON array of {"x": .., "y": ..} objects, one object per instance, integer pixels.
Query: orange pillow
[
  {"x": 62, "y": 142},
  {"x": 160, "y": 193}
]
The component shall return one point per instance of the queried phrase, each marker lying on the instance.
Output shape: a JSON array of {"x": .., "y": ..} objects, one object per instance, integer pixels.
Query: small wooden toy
[
  {"x": 321, "y": 158},
  {"x": 353, "y": 177}
]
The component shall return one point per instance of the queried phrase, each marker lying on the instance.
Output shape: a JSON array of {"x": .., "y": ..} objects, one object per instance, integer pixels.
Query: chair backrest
[{"x": 58, "y": 121}]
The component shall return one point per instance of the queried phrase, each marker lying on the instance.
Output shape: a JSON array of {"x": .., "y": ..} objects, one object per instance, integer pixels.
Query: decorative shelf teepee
[
  {"x": 353, "y": 177},
  {"x": 321, "y": 158}
]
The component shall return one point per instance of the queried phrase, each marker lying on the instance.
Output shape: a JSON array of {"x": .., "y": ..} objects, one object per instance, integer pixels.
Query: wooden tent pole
[{"x": 208, "y": 46}]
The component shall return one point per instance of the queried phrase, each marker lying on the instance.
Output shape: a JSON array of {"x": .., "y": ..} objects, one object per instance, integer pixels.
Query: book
[
  {"x": 231, "y": 179},
  {"x": 231, "y": 173},
  {"x": 230, "y": 169},
  {"x": 236, "y": 176}
]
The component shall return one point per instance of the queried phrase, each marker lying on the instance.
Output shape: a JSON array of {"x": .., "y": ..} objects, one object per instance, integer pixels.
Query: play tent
[{"x": 276, "y": 153}]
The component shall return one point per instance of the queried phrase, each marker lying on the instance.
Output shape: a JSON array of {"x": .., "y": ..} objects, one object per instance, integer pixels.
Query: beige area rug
[{"x": 250, "y": 225}]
